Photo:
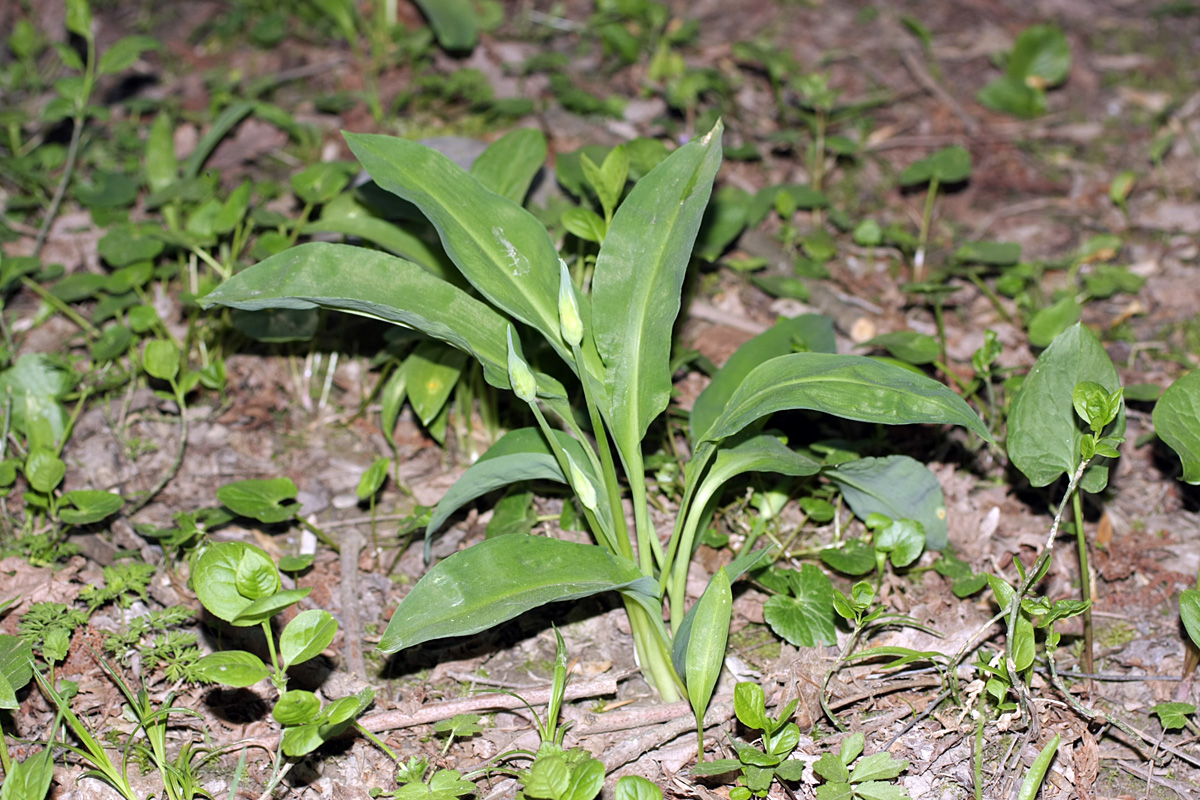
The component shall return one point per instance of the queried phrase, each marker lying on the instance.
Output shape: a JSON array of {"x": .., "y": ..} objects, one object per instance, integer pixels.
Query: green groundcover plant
[{"x": 593, "y": 349}]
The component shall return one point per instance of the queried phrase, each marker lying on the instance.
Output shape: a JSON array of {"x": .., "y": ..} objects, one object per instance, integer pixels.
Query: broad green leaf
[
  {"x": 720, "y": 766},
  {"x": 44, "y": 470},
  {"x": 724, "y": 220},
  {"x": 1177, "y": 422},
  {"x": 1041, "y": 57},
  {"x": 854, "y": 557},
  {"x": 333, "y": 720},
  {"x": 161, "y": 359},
  {"x": 524, "y": 572},
  {"x": 635, "y": 787},
  {"x": 1047, "y": 323},
  {"x": 37, "y": 383},
  {"x": 373, "y": 284},
  {"x": 852, "y": 387},
  {"x": 1173, "y": 716},
  {"x": 587, "y": 779},
  {"x": 880, "y": 790},
  {"x": 879, "y": 766},
  {"x": 215, "y": 576},
  {"x": 637, "y": 282},
  {"x": 509, "y": 165},
  {"x": 1189, "y": 611},
  {"x": 899, "y": 487},
  {"x": 585, "y": 224},
  {"x": 454, "y": 23},
  {"x": 268, "y": 501},
  {"x": 910, "y": 346},
  {"x": 519, "y": 455},
  {"x": 948, "y": 165},
  {"x": 295, "y": 707},
  {"x": 321, "y": 182},
  {"x": 813, "y": 332},
  {"x": 306, "y": 636},
  {"x": 852, "y": 748},
  {"x": 903, "y": 540},
  {"x": 998, "y": 254},
  {"x": 1043, "y": 429},
  {"x": 16, "y": 668},
  {"x": 832, "y": 768},
  {"x": 1010, "y": 95},
  {"x": 79, "y": 19},
  {"x": 706, "y": 643},
  {"x": 263, "y": 608},
  {"x": 805, "y": 618},
  {"x": 396, "y": 238},
  {"x": 498, "y": 246},
  {"x": 29, "y": 779},
  {"x": 432, "y": 369},
  {"x": 89, "y": 506},
  {"x": 121, "y": 55},
  {"x": 749, "y": 703},
  {"x": 235, "y": 668}
]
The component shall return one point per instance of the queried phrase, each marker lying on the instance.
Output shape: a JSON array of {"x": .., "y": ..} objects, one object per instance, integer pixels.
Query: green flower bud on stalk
[
  {"x": 583, "y": 485},
  {"x": 519, "y": 374},
  {"x": 568, "y": 307}
]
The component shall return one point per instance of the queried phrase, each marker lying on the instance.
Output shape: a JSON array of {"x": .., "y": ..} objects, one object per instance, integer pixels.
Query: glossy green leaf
[
  {"x": 1043, "y": 430},
  {"x": 637, "y": 282},
  {"x": 635, "y": 787},
  {"x": 306, "y": 636},
  {"x": 333, "y": 720},
  {"x": 509, "y": 165},
  {"x": 16, "y": 668},
  {"x": 524, "y": 572},
  {"x": 269, "y": 501},
  {"x": 29, "y": 779},
  {"x": 1173, "y": 716},
  {"x": 854, "y": 557},
  {"x": 899, "y": 487},
  {"x": 813, "y": 332},
  {"x": 1037, "y": 770},
  {"x": 1189, "y": 612},
  {"x": 910, "y": 346},
  {"x": 267, "y": 606},
  {"x": 89, "y": 506},
  {"x": 903, "y": 540},
  {"x": 1177, "y": 422},
  {"x": 804, "y": 617},
  {"x": 749, "y": 704},
  {"x": 852, "y": 387},
  {"x": 433, "y": 368},
  {"x": 519, "y": 455},
  {"x": 296, "y": 707},
  {"x": 374, "y": 284},
  {"x": 161, "y": 359},
  {"x": 706, "y": 643},
  {"x": 454, "y": 23},
  {"x": 44, "y": 470},
  {"x": 215, "y": 576},
  {"x": 498, "y": 246},
  {"x": 235, "y": 668},
  {"x": 585, "y": 224}
]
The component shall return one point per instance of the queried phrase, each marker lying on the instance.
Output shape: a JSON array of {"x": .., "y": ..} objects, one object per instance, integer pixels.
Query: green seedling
[
  {"x": 1038, "y": 769},
  {"x": 761, "y": 766},
  {"x": 239, "y": 584},
  {"x": 417, "y": 783},
  {"x": 848, "y": 777},
  {"x": 1073, "y": 381},
  {"x": 457, "y": 727},
  {"x": 612, "y": 342},
  {"x": 946, "y": 166},
  {"x": 1174, "y": 716},
  {"x": 1040, "y": 60}
]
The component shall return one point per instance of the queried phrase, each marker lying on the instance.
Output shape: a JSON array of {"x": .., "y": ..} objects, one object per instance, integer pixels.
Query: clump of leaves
[
  {"x": 759, "y": 766},
  {"x": 1040, "y": 60},
  {"x": 417, "y": 783},
  {"x": 846, "y": 776}
]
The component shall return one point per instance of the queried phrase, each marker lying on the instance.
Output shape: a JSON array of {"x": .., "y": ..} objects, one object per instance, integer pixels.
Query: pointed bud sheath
[
  {"x": 519, "y": 375},
  {"x": 583, "y": 485},
  {"x": 568, "y": 307}
]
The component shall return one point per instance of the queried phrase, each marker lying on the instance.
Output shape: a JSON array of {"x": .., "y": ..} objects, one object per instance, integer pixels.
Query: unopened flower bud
[
  {"x": 583, "y": 485},
  {"x": 519, "y": 374},
  {"x": 568, "y": 307}
]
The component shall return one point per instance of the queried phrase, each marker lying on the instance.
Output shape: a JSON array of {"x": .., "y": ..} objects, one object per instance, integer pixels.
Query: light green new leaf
[
  {"x": 454, "y": 23},
  {"x": 90, "y": 505},
  {"x": 306, "y": 636},
  {"x": 897, "y": 486},
  {"x": 235, "y": 668},
  {"x": 519, "y": 455},
  {"x": 813, "y": 331},
  {"x": 852, "y": 387},
  {"x": 879, "y": 766},
  {"x": 1043, "y": 430},
  {"x": 638, "y": 277},
  {"x": 706, "y": 643},
  {"x": 509, "y": 165},
  {"x": 523, "y": 572},
  {"x": 374, "y": 284},
  {"x": 1177, "y": 422},
  {"x": 498, "y": 246}
]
